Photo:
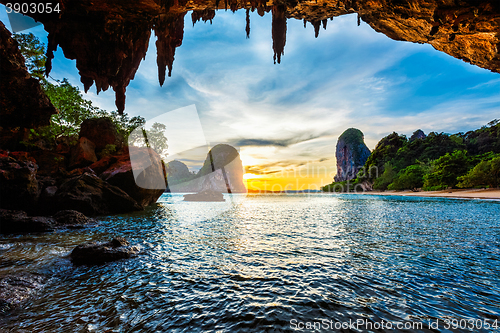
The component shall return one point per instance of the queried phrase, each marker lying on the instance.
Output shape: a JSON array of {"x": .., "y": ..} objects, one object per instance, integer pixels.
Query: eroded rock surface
[
  {"x": 351, "y": 154},
  {"x": 16, "y": 289},
  {"x": 109, "y": 51}
]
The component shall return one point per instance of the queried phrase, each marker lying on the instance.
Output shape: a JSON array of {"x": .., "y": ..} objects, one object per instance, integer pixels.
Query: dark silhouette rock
[
  {"x": 49, "y": 163},
  {"x": 22, "y": 101},
  {"x": 144, "y": 182},
  {"x": 18, "y": 288},
  {"x": 205, "y": 195},
  {"x": 98, "y": 253},
  {"x": 418, "y": 134},
  {"x": 83, "y": 154},
  {"x": 102, "y": 132},
  {"x": 91, "y": 195},
  {"x": 72, "y": 219},
  {"x": 16, "y": 221},
  {"x": 351, "y": 154},
  {"x": 18, "y": 183},
  {"x": 225, "y": 160}
]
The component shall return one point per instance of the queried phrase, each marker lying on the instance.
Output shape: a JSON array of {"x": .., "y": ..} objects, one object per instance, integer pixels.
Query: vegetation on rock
[{"x": 433, "y": 162}]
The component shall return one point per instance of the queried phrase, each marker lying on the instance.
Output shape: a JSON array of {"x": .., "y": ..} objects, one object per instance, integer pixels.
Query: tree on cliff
[{"x": 68, "y": 100}]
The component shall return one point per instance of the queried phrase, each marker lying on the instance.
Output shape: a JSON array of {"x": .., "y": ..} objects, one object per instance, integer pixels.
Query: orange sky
[{"x": 311, "y": 175}]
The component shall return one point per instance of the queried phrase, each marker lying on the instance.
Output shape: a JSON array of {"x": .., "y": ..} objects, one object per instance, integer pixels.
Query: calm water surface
[{"x": 258, "y": 263}]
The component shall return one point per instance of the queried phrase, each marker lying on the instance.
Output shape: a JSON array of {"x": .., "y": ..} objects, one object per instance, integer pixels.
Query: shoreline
[{"x": 482, "y": 194}]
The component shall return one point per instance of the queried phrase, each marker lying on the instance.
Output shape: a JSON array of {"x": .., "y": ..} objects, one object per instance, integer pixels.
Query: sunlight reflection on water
[{"x": 264, "y": 260}]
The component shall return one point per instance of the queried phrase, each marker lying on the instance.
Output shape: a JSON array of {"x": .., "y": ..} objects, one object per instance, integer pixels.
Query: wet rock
[
  {"x": 92, "y": 196},
  {"x": 72, "y": 219},
  {"x": 148, "y": 185},
  {"x": 17, "y": 221},
  {"x": 83, "y": 154},
  {"x": 18, "y": 183},
  {"x": 101, "y": 132},
  {"x": 97, "y": 253},
  {"x": 15, "y": 289}
]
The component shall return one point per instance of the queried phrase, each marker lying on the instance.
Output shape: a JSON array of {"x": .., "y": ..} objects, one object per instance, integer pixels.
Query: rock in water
[
  {"x": 96, "y": 253},
  {"x": 225, "y": 158},
  {"x": 139, "y": 173},
  {"x": 351, "y": 154},
  {"x": 92, "y": 196},
  {"x": 15, "y": 289}
]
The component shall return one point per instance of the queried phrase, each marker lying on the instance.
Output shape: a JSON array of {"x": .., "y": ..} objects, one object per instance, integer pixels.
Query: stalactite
[
  {"x": 87, "y": 82},
  {"x": 279, "y": 31},
  {"x": 120, "y": 98},
  {"x": 359, "y": 20},
  {"x": 205, "y": 15},
  {"x": 248, "y": 24},
  {"x": 325, "y": 22},
  {"x": 316, "y": 25},
  {"x": 170, "y": 32},
  {"x": 233, "y": 5},
  {"x": 51, "y": 47},
  {"x": 305, "y": 23}
]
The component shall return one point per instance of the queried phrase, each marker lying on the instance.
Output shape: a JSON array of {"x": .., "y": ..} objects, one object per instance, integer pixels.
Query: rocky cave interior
[{"x": 109, "y": 39}]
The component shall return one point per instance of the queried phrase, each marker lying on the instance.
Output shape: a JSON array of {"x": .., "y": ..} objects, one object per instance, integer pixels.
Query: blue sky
[{"x": 287, "y": 114}]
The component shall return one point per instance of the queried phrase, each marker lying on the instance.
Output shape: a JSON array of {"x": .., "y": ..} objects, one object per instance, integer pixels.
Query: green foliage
[
  {"x": 72, "y": 108},
  {"x": 109, "y": 149},
  {"x": 387, "y": 177},
  {"x": 484, "y": 140},
  {"x": 152, "y": 138},
  {"x": 446, "y": 169},
  {"x": 484, "y": 173},
  {"x": 33, "y": 51},
  {"x": 409, "y": 178},
  {"x": 384, "y": 152}
]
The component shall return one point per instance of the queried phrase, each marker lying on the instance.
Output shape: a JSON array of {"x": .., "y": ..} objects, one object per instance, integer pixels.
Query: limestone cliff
[
  {"x": 222, "y": 171},
  {"x": 351, "y": 154}
]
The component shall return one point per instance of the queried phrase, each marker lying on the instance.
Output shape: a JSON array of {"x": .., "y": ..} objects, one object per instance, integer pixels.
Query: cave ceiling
[{"x": 109, "y": 38}]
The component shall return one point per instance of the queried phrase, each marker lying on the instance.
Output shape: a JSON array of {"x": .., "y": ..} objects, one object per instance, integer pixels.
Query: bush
[
  {"x": 484, "y": 173},
  {"x": 411, "y": 177},
  {"x": 446, "y": 169},
  {"x": 387, "y": 177}
]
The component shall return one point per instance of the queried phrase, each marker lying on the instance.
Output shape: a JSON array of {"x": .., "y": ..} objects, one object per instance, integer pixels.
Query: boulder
[
  {"x": 145, "y": 182},
  {"x": 72, "y": 219},
  {"x": 16, "y": 221},
  {"x": 15, "y": 289},
  {"x": 351, "y": 154},
  {"x": 102, "y": 132},
  {"x": 18, "y": 183},
  {"x": 49, "y": 163},
  {"x": 83, "y": 154},
  {"x": 98, "y": 253},
  {"x": 91, "y": 195}
]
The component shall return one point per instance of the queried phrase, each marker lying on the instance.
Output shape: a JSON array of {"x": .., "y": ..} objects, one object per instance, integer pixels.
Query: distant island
[{"x": 432, "y": 162}]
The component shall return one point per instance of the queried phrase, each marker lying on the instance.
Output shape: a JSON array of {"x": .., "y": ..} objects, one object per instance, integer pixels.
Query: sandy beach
[{"x": 490, "y": 194}]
